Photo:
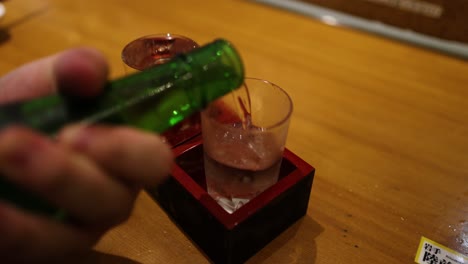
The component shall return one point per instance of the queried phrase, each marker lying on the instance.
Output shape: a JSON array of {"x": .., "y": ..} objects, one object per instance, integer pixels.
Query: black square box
[{"x": 232, "y": 238}]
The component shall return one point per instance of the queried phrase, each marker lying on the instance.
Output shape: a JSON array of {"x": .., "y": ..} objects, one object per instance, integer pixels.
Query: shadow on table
[
  {"x": 5, "y": 29},
  {"x": 4, "y": 35},
  {"x": 295, "y": 245},
  {"x": 95, "y": 257}
]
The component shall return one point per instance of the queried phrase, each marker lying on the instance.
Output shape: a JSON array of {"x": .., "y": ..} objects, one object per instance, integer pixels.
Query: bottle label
[{"x": 430, "y": 252}]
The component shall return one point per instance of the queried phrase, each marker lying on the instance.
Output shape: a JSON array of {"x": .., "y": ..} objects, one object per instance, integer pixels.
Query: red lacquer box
[{"x": 232, "y": 238}]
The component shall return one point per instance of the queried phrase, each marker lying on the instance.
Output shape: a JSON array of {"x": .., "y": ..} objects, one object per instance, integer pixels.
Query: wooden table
[{"x": 384, "y": 123}]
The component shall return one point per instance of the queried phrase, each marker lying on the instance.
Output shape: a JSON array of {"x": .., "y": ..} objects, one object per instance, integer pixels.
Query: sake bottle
[{"x": 155, "y": 99}]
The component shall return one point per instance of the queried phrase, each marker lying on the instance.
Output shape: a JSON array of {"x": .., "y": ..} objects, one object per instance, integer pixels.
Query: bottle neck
[{"x": 187, "y": 84}]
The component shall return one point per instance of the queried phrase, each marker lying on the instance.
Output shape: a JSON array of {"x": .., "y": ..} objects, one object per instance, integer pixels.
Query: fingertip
[
  {"x": 139, "y": 157},
  {"x": 167, "y": 161},
  {"x": 146, "y": 153},
  {"x": 74, "y": 136},
  {"x": 156, "y": 156},
  {"x": 81, "y": 72}
]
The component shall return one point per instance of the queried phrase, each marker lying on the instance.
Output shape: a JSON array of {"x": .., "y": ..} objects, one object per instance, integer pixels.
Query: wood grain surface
[{"x": 384, "y": 123}]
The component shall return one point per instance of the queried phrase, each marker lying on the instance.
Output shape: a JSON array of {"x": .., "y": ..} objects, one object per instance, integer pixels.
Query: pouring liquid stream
[{"x": 243, "y": 106}]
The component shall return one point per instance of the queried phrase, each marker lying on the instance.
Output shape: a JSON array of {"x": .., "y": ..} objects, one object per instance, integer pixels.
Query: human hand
[{"x": 93, "y": 173}]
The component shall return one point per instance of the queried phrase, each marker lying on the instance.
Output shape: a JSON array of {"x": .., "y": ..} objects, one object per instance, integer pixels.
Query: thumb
[{"x": 78, "y": 72}]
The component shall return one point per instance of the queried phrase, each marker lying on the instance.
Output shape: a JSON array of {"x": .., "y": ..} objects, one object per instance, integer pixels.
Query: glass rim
[
  {"x": 291, "y": 105},
  {"x": 167, "y": 36}
]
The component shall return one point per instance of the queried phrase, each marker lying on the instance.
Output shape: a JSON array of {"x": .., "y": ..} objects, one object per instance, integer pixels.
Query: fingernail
[{"x": 79, "y": 137}]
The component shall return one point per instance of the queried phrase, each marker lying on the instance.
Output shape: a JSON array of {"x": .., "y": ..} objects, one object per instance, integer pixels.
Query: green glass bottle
[{"x": 155, "y": 100}]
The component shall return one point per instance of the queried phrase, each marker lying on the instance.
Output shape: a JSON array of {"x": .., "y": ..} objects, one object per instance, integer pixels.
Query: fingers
[
  {"x": 31, "y": 80},
  {"x": 143, "y": 159},
  {"x": 90, "y": 172},
  {"x": 28, "y": 238},
  {"x": 79, "y": 72},
  {"x": 96, "y": 185},
  {"x": 66, "y": 179}
]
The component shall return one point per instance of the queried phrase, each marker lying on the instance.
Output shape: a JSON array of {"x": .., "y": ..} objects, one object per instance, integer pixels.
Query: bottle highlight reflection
[
  {"x": 151, "y": 50},
  {"x": 156, "y": 100}
]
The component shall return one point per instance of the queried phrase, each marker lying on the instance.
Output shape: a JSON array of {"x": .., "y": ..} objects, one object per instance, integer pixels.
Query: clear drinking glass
[
  {"x": 148, "y": 51},
  {"x": 244, "y": 135}
]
